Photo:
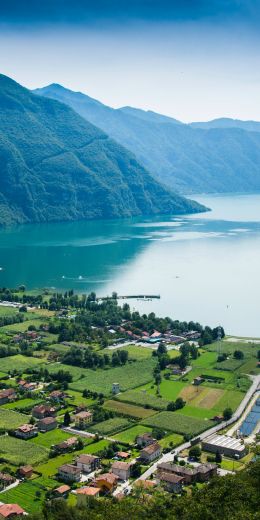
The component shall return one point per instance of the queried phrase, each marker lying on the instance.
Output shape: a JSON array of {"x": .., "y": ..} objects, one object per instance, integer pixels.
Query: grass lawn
[
  {"x": 231, "y": 465},
  {"x": 7, "y": 311},
  {"x": 134, "y": 352},
  {"x": 230, "y": 398},
  {"x": 143, "y": 398},
  {"x": 177, "y": 423},
  {"x": 129, "y": 376},
  {"x": 75, "y": 398},
  {"x": 22, "y": 327},
  {"x": 129, "y": 436},
  {"x": 49, "y": 438},
  {"x": 128, "y": 409},
  {"x": 198, "y": 413},
  {"x": 169, "y": 390},
  {"x": 24, "y": 495},
  {"x": 20, "y": 452},
  {"x": 174, "y": 438},
  {"x": 205, "y": 360},
  {"x": 9, "y": 420},
  {"x": 110, "y": 426},
  {"x": 19, "y": 363}
]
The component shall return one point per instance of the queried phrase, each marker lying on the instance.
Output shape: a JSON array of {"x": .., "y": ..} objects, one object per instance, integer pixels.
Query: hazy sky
[{"x": 192, "y": 59}]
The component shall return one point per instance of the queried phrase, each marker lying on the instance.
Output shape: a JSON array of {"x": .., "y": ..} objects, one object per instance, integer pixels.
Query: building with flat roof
[{"x": 225, "y": 445}]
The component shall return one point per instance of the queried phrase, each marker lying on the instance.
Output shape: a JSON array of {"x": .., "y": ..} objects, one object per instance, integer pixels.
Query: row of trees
[{"x": 88, "y": 358}]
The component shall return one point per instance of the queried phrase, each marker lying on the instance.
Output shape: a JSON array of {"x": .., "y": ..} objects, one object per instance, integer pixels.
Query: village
[{"x": 104, "y": 402}]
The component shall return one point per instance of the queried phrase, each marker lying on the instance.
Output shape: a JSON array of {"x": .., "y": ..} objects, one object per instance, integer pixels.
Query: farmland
[
  {"x": 129, "y": 376},
  {"x": 143, "y": 399},
  {"x": 49, "y": 438},
  {"x": 110, "y": 426},
  {"x": 19, "y": 363},
  {"x": 135, "y": 352},
  {"x": 20, "y": 452},
  {"x": 129, "y": 436},
  {"x": 127, "y": 409},
  {"x": 177, "y": 423},
  {"x": 9, "y": 420},
  {"x": 24, "y": 495}
]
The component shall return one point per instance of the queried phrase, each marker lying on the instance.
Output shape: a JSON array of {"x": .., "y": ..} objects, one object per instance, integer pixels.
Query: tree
[
  {"x": 227, "y": 413},
  {"x": 171, "y": 407},
  {"x": 179, "y": 403},
  {"x": 258, "y": 355},
  {"x": 195, "y": 452},
  {"x": 238, "y": 354},
  {"x": 66, "y": 419},
  {"x": 158, "y": 433}
]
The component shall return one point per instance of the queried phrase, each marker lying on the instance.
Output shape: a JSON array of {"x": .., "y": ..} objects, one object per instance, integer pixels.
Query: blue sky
[{"x": 194, "y": 60}]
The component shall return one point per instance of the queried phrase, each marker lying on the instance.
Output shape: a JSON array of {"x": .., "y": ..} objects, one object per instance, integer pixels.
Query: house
[
  {"x": 145, "y": 484},
  {"x": 200, "y": 473},
  {"x": 82, "y": 419},
  {"x": 41, "y": 411},
  {"x": 24, "y": 386},
  {"x": 47, "y": 424},
  {"x": 26, "y": 471},
  {"x": 170, "y": 482},
  {"x": 84, "y": 493},
  {"x": 121, "y": 470},
  {"x": 69, "y": 473},
  {"x": 7, "y": 395},
  {"x": 87, "y": 463},
  {"x": 144, "y": 440},
  {"x": 123, "y": 454},
  {"x": 6, "y": 480},
  {"x": 61, "y": 491},
  {"x": 57, "y": 396},
  {"x": 10, "y": 511},
  {"x": 26, "y": 431},
  {"x": 151, "y": 452},
  {"x": 67, "y": 445},
  {"x": 107, "y": 482}
]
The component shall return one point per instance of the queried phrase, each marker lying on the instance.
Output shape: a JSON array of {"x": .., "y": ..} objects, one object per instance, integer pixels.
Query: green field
[
  {"x": 24, "y": 495},
  {"x": 21, "y": 327},
  {"x": 20, "y": 452},
  {"x": 21, "y": 404},
  {"x": 177, "y": 423},
  {"x": 129, "y": 376},
  {"x": 7, "y": 311},
  {"x": 110, "y": 426},
  {"x": 134, "y": 352},
  {"x": 129, "y": 436},
  {"x": 173, "y": 438},
  {"x": 19, "y": 363},
  {"x": 49, "y": 438},
  {"x": 9, "y": 420},
  {"x": 169, "y": 390},
  {"x": 143, "y": 399},
  {"x": 128, "y": 409},
  {"x": 230, "y": 364}
]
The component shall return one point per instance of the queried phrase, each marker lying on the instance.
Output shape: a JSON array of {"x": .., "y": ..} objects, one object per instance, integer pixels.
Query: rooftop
[
  {"x": 89, "y": 491},
  {"x": 7, "y": 510},
  {"x": 225, "y": 442}
]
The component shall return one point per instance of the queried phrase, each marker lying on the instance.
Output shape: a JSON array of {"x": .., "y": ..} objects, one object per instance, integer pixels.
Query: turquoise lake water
[{"x": 205, "y": 267}]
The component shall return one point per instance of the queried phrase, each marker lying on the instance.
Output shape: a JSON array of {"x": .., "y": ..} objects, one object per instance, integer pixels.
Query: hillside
[
  {"x": 57, "y": 166},
  {"x": 215, "y": 157},
  {"x": 225, "y": 122}
]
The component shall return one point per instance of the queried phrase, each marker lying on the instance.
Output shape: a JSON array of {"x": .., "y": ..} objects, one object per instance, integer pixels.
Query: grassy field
[
  {"x": 128, "y": 409},
  {"x": 24, "y": 495},
  {"x": 173, "y": 438},
  {"x": 22, "y": 403},
  {"x": 230, "y": 364},
  {"x": 128, "y": 376},
  {"x": 143, "y": 399},
  {"x": 19, "y": 363},
  {"x": 134, "y": 352},
  {"x": 130, "y": 435},
  {"x": 169, "y": 390},
  {"x": 7, "y": 311},
  {"x": 22, "y": 327},
  {"x": 49, "y": 438},
  {"x": 177, "y": 423},
  {"x": 20, "y": 452},
  {"x": 9, "y": 420},
  {"x": 110, "y": 426}
]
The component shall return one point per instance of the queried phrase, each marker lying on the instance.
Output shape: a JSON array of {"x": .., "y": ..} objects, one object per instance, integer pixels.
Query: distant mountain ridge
[
  {"x": 218, "y": 156},
  {"x": 54, "y": 166}
]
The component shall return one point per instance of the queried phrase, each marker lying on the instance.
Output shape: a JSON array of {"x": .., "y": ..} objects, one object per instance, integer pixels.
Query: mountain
[
  {"x": 57, "y": 166},
  {"x": 225, "y": 122},
  {"x": 223, "y": 158}
]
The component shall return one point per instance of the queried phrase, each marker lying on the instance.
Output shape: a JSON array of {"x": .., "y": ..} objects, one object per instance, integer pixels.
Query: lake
[{"x": 205, "y": 267}]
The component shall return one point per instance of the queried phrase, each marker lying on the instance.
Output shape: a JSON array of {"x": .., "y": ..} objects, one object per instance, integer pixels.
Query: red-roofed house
[
  {"x": 10, "y": 511},
  {"x": 84, "y": 493}
]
